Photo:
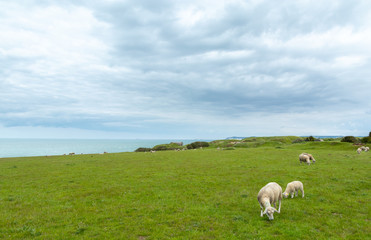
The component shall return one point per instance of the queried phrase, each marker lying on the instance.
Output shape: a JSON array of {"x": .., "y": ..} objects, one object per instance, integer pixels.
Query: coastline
[{"x": 13, "y": 147}]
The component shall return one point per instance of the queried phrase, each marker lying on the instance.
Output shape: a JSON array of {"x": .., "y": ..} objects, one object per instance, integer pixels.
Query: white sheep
[
  {"x": 359, "y": 150},
  {"x": 293, "y": 188},
  {"x": 363, "y": 148},
  {"x": 306, "y": 157},
  {"x": 367, "y": 149},
  {"x": 270, "y": 194}
]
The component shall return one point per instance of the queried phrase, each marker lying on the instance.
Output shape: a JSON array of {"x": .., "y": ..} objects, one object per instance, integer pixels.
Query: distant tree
[{"x": 369, "y": 134}]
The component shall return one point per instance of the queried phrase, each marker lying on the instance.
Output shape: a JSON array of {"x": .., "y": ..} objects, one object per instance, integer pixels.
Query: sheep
[
  {"x": 367, "y": 149},
  {"x": 359, "y": 150},
  {"x": 270, "y": 194},
  {"x": 306, "y": 157},
  {"x": 363, "y": 148},
  {"x": 293, "y": 188}
]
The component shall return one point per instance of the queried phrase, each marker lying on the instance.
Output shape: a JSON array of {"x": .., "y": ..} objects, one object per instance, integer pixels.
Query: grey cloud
[{"x": 239, "y": 60}]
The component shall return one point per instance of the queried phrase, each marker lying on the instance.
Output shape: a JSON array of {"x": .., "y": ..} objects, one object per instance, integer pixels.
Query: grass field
[{"x": 193, "y": 194}]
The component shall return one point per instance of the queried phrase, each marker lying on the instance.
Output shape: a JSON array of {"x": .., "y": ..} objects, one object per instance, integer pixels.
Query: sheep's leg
[
  {"x": 302, "y": 192},
  {"x": 261, "y": 210},
  {"x": 296, "y": 193},
  {"x": 292, "y": 194},
  {"x": 279, "y": 205}
]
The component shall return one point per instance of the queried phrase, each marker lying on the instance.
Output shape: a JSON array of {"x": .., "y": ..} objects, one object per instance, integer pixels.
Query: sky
[{"x": 201, "y": 69}]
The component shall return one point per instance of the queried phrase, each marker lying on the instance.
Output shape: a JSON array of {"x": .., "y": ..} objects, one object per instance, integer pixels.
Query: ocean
[{"x": 43, "y": 147}]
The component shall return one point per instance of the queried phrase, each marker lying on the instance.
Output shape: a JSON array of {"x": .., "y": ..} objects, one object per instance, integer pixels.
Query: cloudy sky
[{"x": 184, "y": 69}]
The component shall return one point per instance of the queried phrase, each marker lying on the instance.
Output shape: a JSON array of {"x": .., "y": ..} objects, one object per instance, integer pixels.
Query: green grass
[{"x": 194, "y": 194}]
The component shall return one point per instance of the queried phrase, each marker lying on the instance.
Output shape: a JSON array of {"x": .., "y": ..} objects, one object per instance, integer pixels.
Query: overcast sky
[{"x": 184, "y": 69}]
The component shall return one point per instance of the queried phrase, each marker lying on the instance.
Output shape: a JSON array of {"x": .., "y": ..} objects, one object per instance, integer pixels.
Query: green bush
[
  {"x": 142, "y": 149},
  {"x": 165, "y": 147},
  {"x": 350, "y": 139},
  {"x": 310, "y": 139},
  {"x": 195, "y": 145},
  {"x": 366, "y": 140}
]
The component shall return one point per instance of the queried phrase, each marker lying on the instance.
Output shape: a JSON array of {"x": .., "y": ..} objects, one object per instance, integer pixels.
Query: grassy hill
[{"x": 193, "y": 194}]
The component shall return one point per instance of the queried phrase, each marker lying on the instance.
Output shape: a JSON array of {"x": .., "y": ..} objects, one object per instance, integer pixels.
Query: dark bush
[
  {"x": 141, "y": 149},
  {"x": 350, "y": 139},
  {"x": 369, "y": 134},
  {"x": 195, "y": 145},
  {"x": 310, "y": 138},
  {"x": 366, "y": 140}
]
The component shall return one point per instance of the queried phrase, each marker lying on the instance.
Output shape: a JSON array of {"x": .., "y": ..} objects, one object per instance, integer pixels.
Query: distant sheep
[
  {"x": 293, "y": 188},
  {"x": 306, "y": 157},
  {"x": 359, "y": 150},
  {"x": 367, "y": 149},
  {"x": 270, "y": 194}
]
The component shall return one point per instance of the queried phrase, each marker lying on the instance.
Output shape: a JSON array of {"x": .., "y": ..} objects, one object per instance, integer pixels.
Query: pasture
[{"x": 193, "y": 194}]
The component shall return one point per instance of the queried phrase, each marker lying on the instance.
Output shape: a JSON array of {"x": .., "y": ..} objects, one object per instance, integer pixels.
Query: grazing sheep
[
  {"x": 270, "y": 194},
  {"x": 359, "y": 150},
  {"x": 363, "y": 148},
  {"x": 367, "y": 149},
  {"x": 293, "y": 188},
  {"x": 306, "y": 157}
]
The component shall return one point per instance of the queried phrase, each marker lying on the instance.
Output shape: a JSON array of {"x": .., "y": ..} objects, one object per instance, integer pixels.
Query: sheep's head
[
  {"x": 269, "y": 211},
  {"x": 285, "y": 194}
]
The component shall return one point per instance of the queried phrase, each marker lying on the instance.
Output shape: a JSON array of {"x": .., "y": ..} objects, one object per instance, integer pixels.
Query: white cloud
[{"x": 226, "y": 66}]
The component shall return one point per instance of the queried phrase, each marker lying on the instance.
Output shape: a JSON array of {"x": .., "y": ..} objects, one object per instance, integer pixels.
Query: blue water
[{"x": 42, "y": 147}]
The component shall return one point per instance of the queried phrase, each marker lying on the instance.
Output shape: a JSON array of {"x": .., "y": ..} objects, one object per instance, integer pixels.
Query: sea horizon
[{"x": 31, "y": 147}]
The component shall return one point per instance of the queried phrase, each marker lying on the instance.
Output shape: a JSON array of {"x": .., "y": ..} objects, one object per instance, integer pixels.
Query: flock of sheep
[
  {"x": 271, "y": 193},
  {"x": 363, "y": 148}
]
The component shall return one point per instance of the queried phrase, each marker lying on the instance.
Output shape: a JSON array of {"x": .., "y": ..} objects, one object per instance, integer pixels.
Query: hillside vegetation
[{"x": 206, "y": 193}]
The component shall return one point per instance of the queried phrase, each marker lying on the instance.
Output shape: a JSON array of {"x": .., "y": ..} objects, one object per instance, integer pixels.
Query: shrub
[
  {"x": 195, "y": 145},
  {"x": 310, "y": 138},
  {"x": 160, "y": 148},
  {"x": 366, "y": 140},
  {"x": 350, "y": 139},
  {"x": 142, "y": 149}
]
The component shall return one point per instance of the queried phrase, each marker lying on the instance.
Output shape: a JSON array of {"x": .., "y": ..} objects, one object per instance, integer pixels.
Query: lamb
[
  {"x": 359, "y": 150},
  {"x": 306, "y": 157},
  {"x": 367, "y": 149},
  {"x": 363, "y": 148},
  {"x": 270, "y": 194},
  {"x": 293, "y": 188}
]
